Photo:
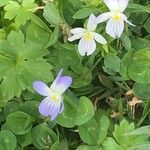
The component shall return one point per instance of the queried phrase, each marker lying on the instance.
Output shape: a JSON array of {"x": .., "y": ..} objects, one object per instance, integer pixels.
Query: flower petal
[
  {"x": 81, "y": 46},
  {"x": 77, "y": 30},
  {"x": 41, "y": 88},
  {"x": 44, "y": 107},
  {"x": 91, "y": 24},
  {"x": 99, "y": 38},
  {"x": 75, "y": 37},
  {"x": 86, "y": 47},
  {"x": 50, "y": 108},
  {"x": 61, "y": 107},
  {"x": 125, "y": 19},
  {"x": 122, "y": 4},
  {"x": 115, "y": 28},
  {"x": 112, "y": 4},
  {"x": 103, "y": 17},
  {"x": 61, "y": 83},
  {"x": 55, "y": 111}
]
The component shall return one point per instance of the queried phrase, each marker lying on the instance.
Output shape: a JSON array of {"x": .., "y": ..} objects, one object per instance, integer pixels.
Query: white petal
[
  {"x": 125, "y": 19},
  {"x": 77, "y": 30},
  {"x": 75, "y": 37},
  {"x": 91, "y": 25},
  {"x": 81, "y": 46},
  {"x": 103, "y": 17},
  {"x": 86, "y": 47},
  {"x": 115, "y": 28},
  {"x": 112, "y": 4},
  {"x": 122, "y": 4},
  {"x": 99, "y": 38},
  {"x": 120, "y": 28}
]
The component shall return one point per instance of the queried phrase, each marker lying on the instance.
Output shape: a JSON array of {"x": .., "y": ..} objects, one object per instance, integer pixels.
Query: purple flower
[{"x": 53, "y": 104}]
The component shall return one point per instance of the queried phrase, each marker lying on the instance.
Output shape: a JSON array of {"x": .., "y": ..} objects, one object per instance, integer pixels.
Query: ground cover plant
[{"x": 75, "y": 75}]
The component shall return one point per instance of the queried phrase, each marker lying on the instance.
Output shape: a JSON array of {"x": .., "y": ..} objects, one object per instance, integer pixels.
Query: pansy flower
[
  {"x": 115, "y": 17},
  {"x": 87, "y": 37},
  {"x": 53, "y": 104}
]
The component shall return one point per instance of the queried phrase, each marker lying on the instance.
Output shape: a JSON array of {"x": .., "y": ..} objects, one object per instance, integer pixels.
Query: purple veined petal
[
  {"x": 44, "y": 106},
  {"x": 75, "y": 37},
  {"x": 86, "y": 47},
  {"x": 55, "y": 111},
  {"x": 115, "y": 28},
  {"x": 91, "y": 24},
  {"x": 126, "y": 20},
  {"x": 61, "y": 107},
  {"x": 41, "y": 88},
  {"x": 122, "y": 4},
  {"x": 50, "y": 108},
  {"x": 77, "y": 30},
  {"x": 112, "y": 5},
  {"x": 99, "y": 38},
  {"x": 104, "y": 17},
  {"x": 61, "y": 83}
]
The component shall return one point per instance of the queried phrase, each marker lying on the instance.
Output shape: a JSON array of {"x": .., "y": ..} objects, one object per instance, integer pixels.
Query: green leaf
[
  {"x": 4, "y": 2},
  {"x": 120, "y": 130},
  {"x": 7, "y": 140},
  {"x": 51, "y": 14},
  {"x": 89, "y": 132},
  {"x": 31, "y": 108},
  {"x": 76, "y": 114},
  {"x": 112, "y": 61},
  {"x": 103, "y": 125},
  {"x": 37, "y": 35},
  {"x": 85, "y": 12},
  {"x": 24, "y": 140},
  {"x": 110, "y": 144},
  {"x": 126, "y": 41},
  {"x": 84, "y": 111},
  {"x": 144, "y": 130},
  {"x": 125, "y": 62},
  {"x": 139, "y": 68},
  {"x": 142, "y": 90},
  {"x": 139, "y": 8},
  {"x": 88, "y": 147},
  {"x": 22, "y": 12},
  {"x": 23, "y": 64},
  {"x": 19, "y": 122},
  {"x": 43, "y": 136},
  {"x": 120, "y": 135},
  {"x": 66, "y": 118}
]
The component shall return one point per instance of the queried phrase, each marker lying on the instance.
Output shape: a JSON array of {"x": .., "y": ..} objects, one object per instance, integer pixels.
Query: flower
[
  {"x": 53, "y": 104},
  {"x": 115, "y": 17},
  {"x": 87, "y": 43}
]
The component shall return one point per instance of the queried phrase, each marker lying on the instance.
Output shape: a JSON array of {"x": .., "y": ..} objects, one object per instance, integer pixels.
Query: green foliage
[
  {"x": 21, "y": 12},
  {"x": 8, "y": 140},
  {"x": 22, "y": 59}
]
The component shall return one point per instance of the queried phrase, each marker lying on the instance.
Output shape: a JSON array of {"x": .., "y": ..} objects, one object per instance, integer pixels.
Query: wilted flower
[
  {"x": 53, "y": 104},
  {"x": 87, "y": 43},
  {"x": 115, "y": 17}
]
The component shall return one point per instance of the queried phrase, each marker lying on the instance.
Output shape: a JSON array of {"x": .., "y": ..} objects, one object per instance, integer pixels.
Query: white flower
[
  {"x": 115, "y": 17},
  {"x": 87, "y": 43}
]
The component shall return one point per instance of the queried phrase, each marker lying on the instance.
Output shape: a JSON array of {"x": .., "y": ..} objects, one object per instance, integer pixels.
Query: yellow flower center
[
  {"x": 55, "y": 97},
  {"x": 117, "y": 16},
  {"x": 88, "y": 36}
]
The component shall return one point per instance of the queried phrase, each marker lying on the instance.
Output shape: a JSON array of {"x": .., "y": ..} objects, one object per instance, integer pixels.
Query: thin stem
[
  {"x": 145, "y": 114},
  {"x": 96, "y": 63}
]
